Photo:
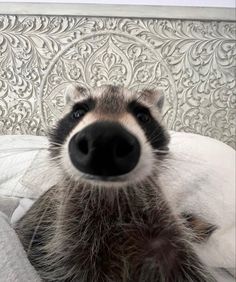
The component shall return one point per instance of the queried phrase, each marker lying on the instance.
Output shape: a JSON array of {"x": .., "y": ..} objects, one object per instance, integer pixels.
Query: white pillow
[{"x": 17, "y": 152}]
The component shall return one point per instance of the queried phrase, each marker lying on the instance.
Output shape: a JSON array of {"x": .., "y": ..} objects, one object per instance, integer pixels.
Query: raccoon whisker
[
  {"x": 65, "y": 199},
  {"x": 128, "y": 202},
  {"x": 54, "y": 144},
  {"x": 177, "y": 159},
  {"x": 36, "y": 228},
  {"x": 162, "y": 167},
  {"x": 118, "y": 204},
  {"x": 174, "y": 159},
  {"x": 55, "y": 158},
  {"x": 64, "y": 196},
  {"x": 141, "y": 198},
  {"x": 100, "y": 196},
  {"x": 161, "y": 152},
  {"x": 11, "y": 152},
  {"x": 86, "y": 192},
  {"x": 153, "y": 138},
  {"x": 23, "y": 149}
]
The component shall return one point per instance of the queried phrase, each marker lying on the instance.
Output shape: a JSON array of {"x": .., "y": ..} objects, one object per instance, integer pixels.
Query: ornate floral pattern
[{"x": 193, "y": 62}]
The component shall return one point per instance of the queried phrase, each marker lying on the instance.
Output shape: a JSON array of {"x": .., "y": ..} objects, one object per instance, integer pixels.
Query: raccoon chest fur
[{"x": 97, "y": 234}]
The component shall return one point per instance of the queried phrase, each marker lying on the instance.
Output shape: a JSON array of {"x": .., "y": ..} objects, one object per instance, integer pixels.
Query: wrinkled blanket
[{"x": 14, "y": 265}]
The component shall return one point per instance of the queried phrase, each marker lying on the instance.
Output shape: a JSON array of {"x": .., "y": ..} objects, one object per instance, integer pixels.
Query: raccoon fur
[{"x": 107, "y": 219}]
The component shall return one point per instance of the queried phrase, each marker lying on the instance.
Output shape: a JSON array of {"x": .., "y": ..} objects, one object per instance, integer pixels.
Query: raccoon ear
[
  {"x": 155, "y": 97},
  {"x": 74, "y": 93}
]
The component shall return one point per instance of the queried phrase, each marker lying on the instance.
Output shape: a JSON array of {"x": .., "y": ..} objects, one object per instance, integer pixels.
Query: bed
[{"x": 188, "y": 53}]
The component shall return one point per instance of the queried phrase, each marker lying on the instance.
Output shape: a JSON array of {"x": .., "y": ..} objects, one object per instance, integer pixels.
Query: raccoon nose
[{"x": 104, "y": 149}]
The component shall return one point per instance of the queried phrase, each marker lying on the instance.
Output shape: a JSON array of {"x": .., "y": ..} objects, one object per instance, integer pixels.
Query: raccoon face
[{"x": 109, "y": 135}]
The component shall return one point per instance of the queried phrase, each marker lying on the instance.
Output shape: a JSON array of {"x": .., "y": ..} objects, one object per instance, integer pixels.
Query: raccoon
[{"x": 107, "y": 219}]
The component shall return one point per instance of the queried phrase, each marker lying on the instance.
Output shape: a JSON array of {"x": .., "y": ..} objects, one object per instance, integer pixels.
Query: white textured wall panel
[{"x": 192, "y": 61}]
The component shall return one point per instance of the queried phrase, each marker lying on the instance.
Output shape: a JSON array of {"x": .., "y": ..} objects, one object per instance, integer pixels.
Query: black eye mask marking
[
  {"x": 154, "y": 132},
  {"x": 67, "y": 123}
]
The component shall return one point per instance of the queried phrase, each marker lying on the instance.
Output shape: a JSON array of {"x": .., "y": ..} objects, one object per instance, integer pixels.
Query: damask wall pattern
[{"x": 192, "y": 62}]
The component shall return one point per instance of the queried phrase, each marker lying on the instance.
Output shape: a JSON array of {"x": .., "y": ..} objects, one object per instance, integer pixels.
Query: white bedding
[
  {"x": 14, "y": 265},
  {"x": 16, "y": 156}
]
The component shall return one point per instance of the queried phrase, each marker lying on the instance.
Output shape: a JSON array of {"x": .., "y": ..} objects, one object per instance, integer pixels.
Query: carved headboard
[{"x": 188, "y": 52}]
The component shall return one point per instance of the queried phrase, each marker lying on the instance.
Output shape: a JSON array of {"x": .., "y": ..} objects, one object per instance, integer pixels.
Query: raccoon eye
[
  {"x": 80, "y": 111},
  {"x": 142, "y": 115}
]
